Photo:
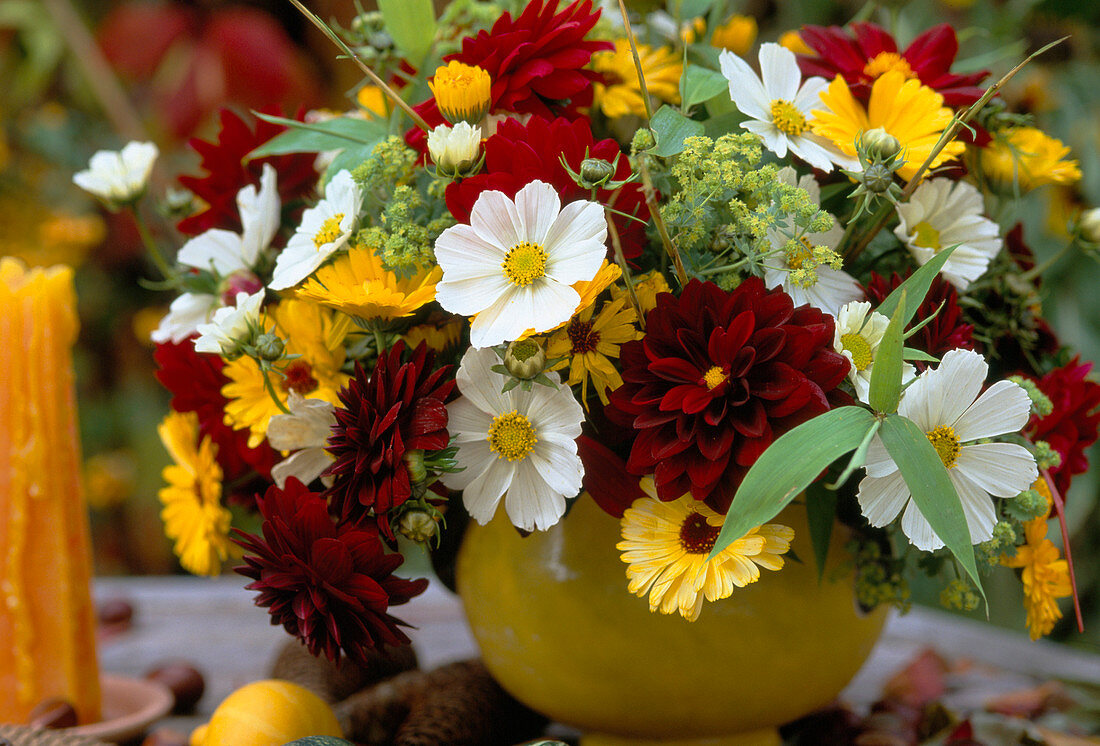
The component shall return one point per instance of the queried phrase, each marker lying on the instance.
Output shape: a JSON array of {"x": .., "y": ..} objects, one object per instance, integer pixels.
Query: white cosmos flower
[
  {"x": 305, "y": 430},
  {"x": 778, "y": 103},
  {"x": 225, "y": 254},
  {"x": 858, "y": 334},
  {"x": 119, "y": 177},
  {"x": 325, "y": 229},
  {"x": 231, "y": 325},
  {"x": 514, "y": 264},
  {"x": 942, "y": 213},
  {"x": 454, "y": 149},
  {"x": 944, "y": 403},
  {"x": 832, "y": 288},
  {"x": 519, "y": 445}
]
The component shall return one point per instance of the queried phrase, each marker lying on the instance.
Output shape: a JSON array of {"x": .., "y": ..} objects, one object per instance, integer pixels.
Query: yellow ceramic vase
[{"x": 558, "y": 629}]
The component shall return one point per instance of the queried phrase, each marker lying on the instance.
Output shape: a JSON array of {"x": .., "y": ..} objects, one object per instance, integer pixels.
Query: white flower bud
[
  {"x": 1089, "y": 226},
  {"x": 232, "y": 326},
  {"x": 119, "y": 178},
  {"x": 454, "y": 150}
]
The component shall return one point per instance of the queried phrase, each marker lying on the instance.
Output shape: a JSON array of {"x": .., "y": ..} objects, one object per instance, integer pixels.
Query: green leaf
[
  {"x": 789, "y": 464},
  {"x": 317, "y": 137},
  {"x": 885, "y": 390},
  {"x": 909, "y": 353},
  {"x": 688, "y": 9},
  {"x": 411, "y": 24},
  {"x": 916, "y": 287},
  {"x": 859, "y": 457},
  {"x": 672, "y": 128},
  {"x": 820, "y": 513},
  {"x": 702, "y": 84},
  {"x": 934, "y": 494}
]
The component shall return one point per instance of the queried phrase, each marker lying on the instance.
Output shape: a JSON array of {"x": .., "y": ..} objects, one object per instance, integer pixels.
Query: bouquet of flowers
[{"x": 554, "y": 255}]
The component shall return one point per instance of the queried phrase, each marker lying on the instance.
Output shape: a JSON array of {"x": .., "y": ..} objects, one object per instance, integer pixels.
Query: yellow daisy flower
[
  {"x": 737, "y": 35},
  {"x": 647, "y": 287},
  {"x": 909, "y": 111},
  {"x": 662, "y": 70},
  {"x": 665, "y": 546},
  {"x": 1028, "y": 157},
  {"x": 315, "y": 374},
  {"x": 193, "y": 514},
  {"x": 587, "y": 345},
  {"x": 357, "y": 284},
  {"x": 1045, "y": 578}
]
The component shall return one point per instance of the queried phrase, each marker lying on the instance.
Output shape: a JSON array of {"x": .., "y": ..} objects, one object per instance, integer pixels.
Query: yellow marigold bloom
[
  {"x": 315, "y": 374},
  {"x": 1028, "y": 157},
  {"x": 373, "y": 100},
  {"x": 587, "y": 345},
  {"x": 665, "y": 546},
  {"x": 193, "y": 514},
  {"x": 909, "y": 111},
  {"x": 623, "y": 94},
  {"x": 647, "y": 287},
  {"x": 439, "y": 337},
  {"x": 357, "y": 284},
  {"x": 463, "y": 93},
  {"x": 737, "y": 35},
  {"x": 792, "y": 41},
  {"x": 1045, "y": 578}
]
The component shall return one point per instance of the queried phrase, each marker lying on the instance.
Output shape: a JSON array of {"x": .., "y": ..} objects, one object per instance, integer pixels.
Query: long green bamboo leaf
[
  {"x": 885, "y": 390},
  {"x": 316, "y": 137},
  {"x": 915, "y": 286}
]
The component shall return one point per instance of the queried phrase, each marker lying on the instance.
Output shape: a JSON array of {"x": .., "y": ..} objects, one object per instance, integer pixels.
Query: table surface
[{"x": 213, "y": 624}]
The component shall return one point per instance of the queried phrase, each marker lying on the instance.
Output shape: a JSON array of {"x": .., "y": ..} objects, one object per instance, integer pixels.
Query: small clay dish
[{"x": 130, "y": 706}]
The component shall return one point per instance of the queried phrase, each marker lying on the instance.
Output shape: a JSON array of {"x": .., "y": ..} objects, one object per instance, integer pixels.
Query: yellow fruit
[{"x": 267, "y": 713}]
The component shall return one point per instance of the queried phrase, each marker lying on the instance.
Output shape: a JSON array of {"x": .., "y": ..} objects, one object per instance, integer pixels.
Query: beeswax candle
[{"x": 47, "y": 621}]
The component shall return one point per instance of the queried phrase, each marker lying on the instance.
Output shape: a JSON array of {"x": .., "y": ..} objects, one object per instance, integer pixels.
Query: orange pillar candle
[{"x": 47, "y": 621}]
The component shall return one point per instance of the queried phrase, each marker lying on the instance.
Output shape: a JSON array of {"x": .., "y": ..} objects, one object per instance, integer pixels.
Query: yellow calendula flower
[
  {"x": 666, "y": 544},
  {"x": 737, "y": 35},
  {"x": 793, "y": 41},
  {"x": 462, "y": 92},
  {"x": 193, "y": 514},
  {"x": 1028, "y": 157},
  {"x": 357, "y": 284},
  {"x": 646, "y": 287},
  {"x": 587, "y": 345},
  {"x": 1045, "y": 578},
  {"x": 307, "y": 329},
  {"x": 911, "y": 112},
  {"x": 623, "y": 94}
]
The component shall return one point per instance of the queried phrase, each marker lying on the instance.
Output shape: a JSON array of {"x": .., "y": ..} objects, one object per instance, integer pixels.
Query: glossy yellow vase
[{"x": 558, "y": 629}]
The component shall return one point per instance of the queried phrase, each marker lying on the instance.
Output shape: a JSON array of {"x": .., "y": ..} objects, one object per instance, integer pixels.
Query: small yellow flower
[
  {"x": 623, "y": 94},
  {"x": 587, "y": 345},
  {"x": 1028, "y": 157},
  {"x": 792, "y": 41},
  {"x": 463, "y": 93},
  {"x": 1045, "y": 578},
  {"x": 357, "y": 284},
  {"x": 666, "y": 544},
  {"x": 373, "y": 100},
  {"x": 193, "y": 514},
  {"x": 647, "y": 287},
  {"x": 909, "y": 111},
  {"x": 737, "y": 35}
]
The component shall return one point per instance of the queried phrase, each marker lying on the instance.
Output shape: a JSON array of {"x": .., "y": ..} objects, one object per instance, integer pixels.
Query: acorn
[{"x": 184, "y": 681}]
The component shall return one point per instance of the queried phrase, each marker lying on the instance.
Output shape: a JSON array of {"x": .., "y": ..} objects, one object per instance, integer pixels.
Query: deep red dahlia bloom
[
  {"x": 520, "y": 153},
  {"x": 946, "y": 331},
  {"x": 227, "y": 172},
  {"x": 929, "y": 57},
  {"x": 195, "y": 382},
  {"x": 538, "y": 62},
  {"x": 401, "y": 407},
  {"x": 328, "y": 585},
  {"x": 1071, "y": 428},
  {"x": 717, "y": 378}
]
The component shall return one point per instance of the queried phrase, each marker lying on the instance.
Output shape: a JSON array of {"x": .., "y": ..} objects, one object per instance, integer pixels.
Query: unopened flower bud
[
  {"x": 455, "y": 150},
  {"x": 418, "y": 525},
  {"x": 880, "y": 145},
  {"x": 595, "y": 172},
  {"x": 643, "y": 140},
  {"x": 525, "y": 358},
  {"x": 1089, "y": 225},
  {"x": 877, "y": 178},
  {"x": 269, "y": 347},
  {"x": 463, "y": 93},
  {"x": 241, "y": 281}
]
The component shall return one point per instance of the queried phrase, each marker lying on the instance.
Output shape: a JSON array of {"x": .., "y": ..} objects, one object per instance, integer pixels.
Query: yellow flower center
[
  {"x": 924, "y": 235},
  {"x": 462, "y": 92},
  {"x": 860, "y": 349},
  {"x": 884, "y": 62},
  {"x": 800, "y": 256},
  {"x": 330, "y": 230},
  {"x": 787, "y": 118},
  {"x": 946, "y": 443},
  {"x": 696, "y": 535},
  {"x": 715, "y": 377},
  {"x": 511, "y": 436},
  {"x": 524, "y": 263}
]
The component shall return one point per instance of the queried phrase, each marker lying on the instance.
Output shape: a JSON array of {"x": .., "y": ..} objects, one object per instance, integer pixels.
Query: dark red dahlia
[
  {"x": 538, "y": 62},
  {"x": 328, "y": 585},
  {"x": 717, "y": 378},
  {"x": 195, "y": 382},
  {"x": 1072, "y": 426},
  {"x": 227, "y": 172},
  {"x": 401, "y": 407},
  {"x": 869, "y": 51},
  {"x": 946, "y": 331},
  {"x": 520, "y": 153}
]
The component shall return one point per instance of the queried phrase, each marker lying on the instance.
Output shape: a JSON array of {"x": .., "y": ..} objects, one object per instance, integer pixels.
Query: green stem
[
  {"x": 151, "y": 244},
  {"x": 1039, "y": 269},
  {"x": 879, "y": 219},
  {"x": 271, "y": 389}
]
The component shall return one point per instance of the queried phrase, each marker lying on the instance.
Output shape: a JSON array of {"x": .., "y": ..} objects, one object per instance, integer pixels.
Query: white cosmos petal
[
  {"x": 495, "y": 219},
  {"x": 1001, "y": 469},
  {"x": 809, "y": 97},
  {"x": 916, "y": 527},
  {"x": 305, "y": 465},
  {"x": 476, "y": 458},
  {"x": 483, "y": 493},
  {"x": 466, "y": 421},
  {"x": 463, "y": 254},
  {"x": 561, "y": 470},
  {"x": 779, "y": 72},
  {"x": 977, "y": 506},
  {"x": 531, "y": 503},
  {"x": 746, "y": 90},
  {"x": 540, "y": 306},
  {"x": 881, "y": 499},
  {"x": 184, "y": 316},
  {"x": 474, "y": 294},
  {"x": 538, "y": 205},
  {"x": 814, "y": 154},
  {"x": 260, "y": 217},
  {"x": 215, "y": 250},
  {"x": 774, "y": 140},
  {"x": 940, "y": 396},
  {"x": 575, "y": 243},
  {"x": 1002, "y": 408},
  {"x": 548, "y": 410},
  {"x": 480, "y": 384},
  {"x": 878, "y": 462}
]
